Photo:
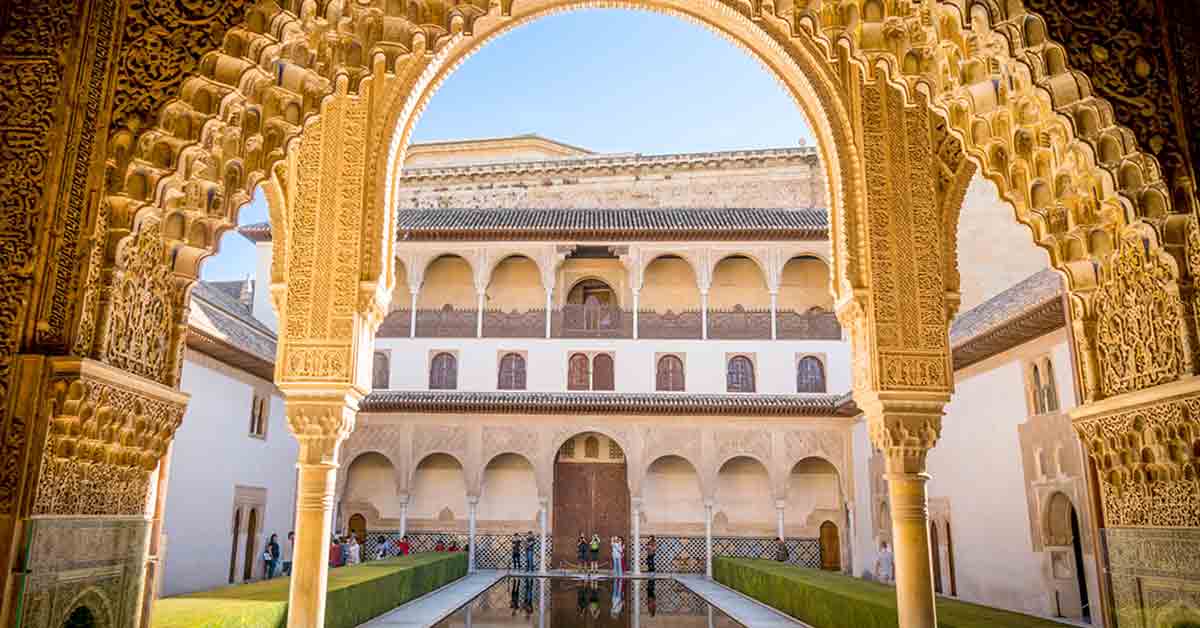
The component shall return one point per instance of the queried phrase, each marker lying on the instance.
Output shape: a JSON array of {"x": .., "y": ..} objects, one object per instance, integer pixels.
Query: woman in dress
[{"x": 618, "y": 555}]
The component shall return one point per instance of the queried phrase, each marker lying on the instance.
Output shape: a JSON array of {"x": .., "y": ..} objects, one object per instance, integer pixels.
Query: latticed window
[
  {"x": 1045, "y": 393},
  {"x": 670, "y": 373},
  {"x": 443, "y": 372},
  {"x": 380, "y": 370},
  {"x": 512, "y": 372},
  {"x": 578, "y": 375},
  {"x": 591, "y": 447},
  {"x": 739, "y": 376},
  {"x": 810, "y": 375},
  {"x": 602, "y": 372}
]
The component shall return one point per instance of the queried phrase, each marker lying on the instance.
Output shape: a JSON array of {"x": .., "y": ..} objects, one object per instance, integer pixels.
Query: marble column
[
  {"x": 545, "y": 505},
  {"x": 708, "y": 515},
  {"x": 549, "y": 309},
  {"x": 636, "y": 294},
  {"x": 636, "y": 526},
  {"x": 779, "y": 506},
  {"x": 412, "y": 316},
  {"x": 704, "y": 314},
  {"x": 404, "y": 515},
  {"x": 472, "y": 508},
  {"x": 479, "y": 314},
  {"x": 774, "y": 310},
  {"x": 904, "y": 427},
  {"x": 320, "y": 420}
]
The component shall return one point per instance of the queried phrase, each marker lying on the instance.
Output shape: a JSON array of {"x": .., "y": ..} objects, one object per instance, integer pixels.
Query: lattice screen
[{"x": 492, "y": 551}]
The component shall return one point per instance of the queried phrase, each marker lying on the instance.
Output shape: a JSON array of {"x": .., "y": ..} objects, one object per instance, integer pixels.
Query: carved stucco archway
[{"x": 323, "y": 105}]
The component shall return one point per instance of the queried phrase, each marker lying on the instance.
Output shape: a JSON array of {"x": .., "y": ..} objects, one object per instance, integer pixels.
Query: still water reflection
[{"x": 571, "y": 603}]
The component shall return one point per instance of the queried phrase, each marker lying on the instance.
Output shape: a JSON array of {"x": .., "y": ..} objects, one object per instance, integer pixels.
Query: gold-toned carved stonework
[
  {"x": 138, "y": 330},
  {"x": 1140, "y": 339},
  {"x": 1147, "y": 461},
  {"x": 107, "y": 431}
]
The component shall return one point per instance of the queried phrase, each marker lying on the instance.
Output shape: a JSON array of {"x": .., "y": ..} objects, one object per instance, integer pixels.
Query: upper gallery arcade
[{"x": 138, "y": 131}]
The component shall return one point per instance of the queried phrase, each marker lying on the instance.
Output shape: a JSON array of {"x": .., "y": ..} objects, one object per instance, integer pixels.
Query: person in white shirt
[
  {"x": 353, "y": 552},
  {"x": 885, "y": 564},
  {"x": 288, "y": 548},
  {"x": 618, "y": 555}
]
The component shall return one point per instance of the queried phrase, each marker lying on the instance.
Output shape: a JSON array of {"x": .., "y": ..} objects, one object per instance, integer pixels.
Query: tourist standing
[
  {"x": 440, "y": 546},
  {"x": 335, "y": 552},
  {"x": 781, "y": 551},
  {"x": 617, "y": 554},
  {"x": 651, "y": 552},
  {"x": 288, "y": 549},
  {"x": 530, "y": 543},
  {"x": 583, "y": 551},
  {"x": 353, "y": 551},
  {"x": 516, "y": 551},
  {"x": 381, "y": 548},
  {"x": 271, "y": 556},
  {"x": 404, "y": 547},
  {"x": 594, "y": 548},
  {"x": 885, "y": 564}
]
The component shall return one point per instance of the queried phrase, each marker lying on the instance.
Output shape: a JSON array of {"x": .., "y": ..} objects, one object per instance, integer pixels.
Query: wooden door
[
  {"x": 589, "y": 498},
  {"x": 358, "y": 527},
  {"x": 831, "y": 547}
]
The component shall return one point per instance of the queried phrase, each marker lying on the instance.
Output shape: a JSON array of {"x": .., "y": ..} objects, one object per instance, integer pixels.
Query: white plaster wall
[
  {"x": 372, "y": 479},
  {"x": 261, "y": 307},
  {"x": 671, "y": 493},
  {"x": 200, "y": 492},
  {"x": 812, "y": 485},
  {"x": 865, "y": 550},
  {"x": 508, "y": 491},
  {"x": 546, "y": 370},
  {"x": 744, "y": 492},
  {"x": 995, "y": 252},
  {"x": 439, "y": 482}
]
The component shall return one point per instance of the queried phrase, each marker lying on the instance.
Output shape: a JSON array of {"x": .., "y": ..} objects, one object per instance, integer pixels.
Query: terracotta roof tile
[
  {"x": 1017, "y": 315},
  {"x": 220, "y": 326}
]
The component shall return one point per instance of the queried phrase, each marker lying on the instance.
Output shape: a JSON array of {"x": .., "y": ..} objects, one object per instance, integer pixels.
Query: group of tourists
[
  {"x": 274, "y": 554},
  {"x": 523, "y": 547},
  {"x": 589, "y": 553}
]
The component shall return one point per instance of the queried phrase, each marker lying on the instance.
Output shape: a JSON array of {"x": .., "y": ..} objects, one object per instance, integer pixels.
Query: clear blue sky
[{"x": 609, "y": 80}]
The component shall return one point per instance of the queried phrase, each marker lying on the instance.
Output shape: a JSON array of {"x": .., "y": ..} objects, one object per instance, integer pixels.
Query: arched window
[
  {"x": 443, "y": 372},
  {"x": 1039, "y": 405},
  {"x": 670, "y": 373},
  {"x": 258, "y": 416},
  {"x": 380, "y": 370},
  {"x": 602, "y": 372},
  {"x": 739, "y": 376},
  {"x": 512, "y": 372},
  {"x": 578, "y": 375},
  {"x": 591, "y": 447},
  {"x": 1049, "y": 390},
  {"x": 810, "y": 375}
]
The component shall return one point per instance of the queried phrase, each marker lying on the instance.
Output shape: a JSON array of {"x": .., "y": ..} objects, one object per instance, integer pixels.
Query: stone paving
[
  {"x": 431, "y": 608},
  {"x": 747, "y": 611}
]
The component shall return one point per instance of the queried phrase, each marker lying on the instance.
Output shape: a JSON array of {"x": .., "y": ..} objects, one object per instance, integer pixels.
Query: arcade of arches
[{"x": 134, "y": 132}]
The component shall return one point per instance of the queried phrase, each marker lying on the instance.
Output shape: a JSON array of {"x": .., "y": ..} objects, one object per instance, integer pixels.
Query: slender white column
[
  {"x": 545, "y": 503},
  {"x": 412, "y": 316},
  {"x": 704, "y": 315},
  {"x": 472, "y": 506},
  {"x": 774, "y": 309},
  {"x": 779, "y": 505},
  {"x": 479, "y": 315},
  {"x": 403, "y": 515},
  {"x": 708, "y": 510},
  {"x": 549, "y": 305},
  {"x": 542, "y": 602},
  {"x": 636, "y": 293},
  {"x": 637, "y": 534}
]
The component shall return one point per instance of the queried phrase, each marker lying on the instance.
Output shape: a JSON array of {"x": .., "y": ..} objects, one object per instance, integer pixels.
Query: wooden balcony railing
[
  {"x": 811, "y": 325},
  {"x": 447, "y": 322},
  {"x": 670, "y": 325},
  {"x": 739, "y": 323},
  {"x": 514, "y": 324},
  {"x": 592, "y": 321}
]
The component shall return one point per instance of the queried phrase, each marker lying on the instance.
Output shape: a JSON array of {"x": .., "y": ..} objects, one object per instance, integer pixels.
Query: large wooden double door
[{"x": 589, "y": 497}]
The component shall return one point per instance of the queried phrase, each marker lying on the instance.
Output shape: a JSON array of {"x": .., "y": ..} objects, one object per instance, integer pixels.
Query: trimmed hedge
[
  {"x": 832, "y": 600},
  {"x": 356, "y": 594}
]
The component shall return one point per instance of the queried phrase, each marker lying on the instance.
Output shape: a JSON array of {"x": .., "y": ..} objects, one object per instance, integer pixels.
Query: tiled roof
[
  {"x": 520, "y": 402},
  {"x": 1021, "y": 313},
  {"x": 600, "y": 224},
  {"x": 222, "y": 327}
]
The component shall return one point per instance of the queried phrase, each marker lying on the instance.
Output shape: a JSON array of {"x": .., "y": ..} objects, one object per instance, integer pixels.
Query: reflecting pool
[{"x": 571, "y": 603}]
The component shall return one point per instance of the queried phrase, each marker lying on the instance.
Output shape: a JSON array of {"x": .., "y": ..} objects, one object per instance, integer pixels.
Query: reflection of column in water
[
  {"x": 710, "y": 615},
  {"x": 528, "y": 591},
  {"x": 543, "y": 602},
  {"x": 469, "y": 616},
  {"x": 651, "y": 598},
  {"x": 635, "y": 605}
]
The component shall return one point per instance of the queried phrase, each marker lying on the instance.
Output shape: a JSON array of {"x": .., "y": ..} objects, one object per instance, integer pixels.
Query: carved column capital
[
  {"x": 321, "y": 422},
  {"x": 904, "y": 426}
]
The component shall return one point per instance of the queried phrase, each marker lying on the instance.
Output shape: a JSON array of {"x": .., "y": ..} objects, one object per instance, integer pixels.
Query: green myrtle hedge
[
  {"x": 356, "y": 594},
  {"x": 831, "y": 600}
]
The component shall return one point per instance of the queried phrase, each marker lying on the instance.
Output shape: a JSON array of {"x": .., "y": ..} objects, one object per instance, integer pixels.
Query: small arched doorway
[
  {"x": 237, "y": 524},
  {"x": 831, "y": 547},
  {"x": 1065, "y": 548},
  {"x": 935, "y": 557},
  {"x": 81, "y": 617},
  {"x": 591, "y": 496},
  {"x": 251, "y": 532},
  {"x": 358, "y": 527}
]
